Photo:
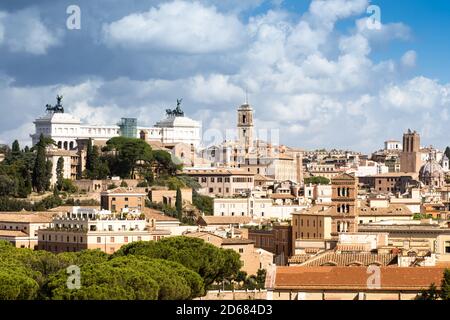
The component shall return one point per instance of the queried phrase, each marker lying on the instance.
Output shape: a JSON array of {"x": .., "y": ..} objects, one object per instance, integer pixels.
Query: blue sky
[{"x": 313, "y": 69}]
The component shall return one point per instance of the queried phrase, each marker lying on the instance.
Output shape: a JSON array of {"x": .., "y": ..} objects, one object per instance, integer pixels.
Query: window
[
  {"x": 211, "y": 190},
  {"x": 139, "y": 238},
  {"x": 126, "y": 199},
  {"x": 99, "y": 239},
  {"x": 112, "y": 239},
  {"x": 241, "y": 250},
  {"x": 212, "y": 179},
  {"x": 219, "y": 179},
  {"x": 447, "y": 246},
  {"x": 125, "y": 239}
]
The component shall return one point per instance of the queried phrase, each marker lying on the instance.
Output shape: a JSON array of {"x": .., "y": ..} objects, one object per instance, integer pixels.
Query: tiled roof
[
  {"x": 326, "y": 210},
  {"x": 123, "y": 190},
  {"x": 26, "y": 217},
  {"x": 299, "y": 258},
  {"x": 157, "y": 215},
  {"x": 331, "y": 258},
  {"x": 12, "y": 233},
  {"x": 259, "y": 177},
  {"x": 281, "y": 196},
  {"x": 69, "y": 208},
  {"x": 231, "y": 241},
  {"x": 355, "y": 278},
  {"x": 225, "y": 219},
  {"x": 393, "y": 209}
]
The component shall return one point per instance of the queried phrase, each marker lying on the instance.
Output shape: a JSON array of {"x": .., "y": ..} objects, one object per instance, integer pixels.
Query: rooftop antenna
[{"x": 246, "y": 95}]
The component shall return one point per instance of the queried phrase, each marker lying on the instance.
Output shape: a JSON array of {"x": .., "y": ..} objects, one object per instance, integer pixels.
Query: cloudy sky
[{"x": 316, "y": 70}]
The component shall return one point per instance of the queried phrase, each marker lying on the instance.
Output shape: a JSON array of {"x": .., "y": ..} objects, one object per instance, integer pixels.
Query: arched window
[
  {"x": 65, "y": 145},
  {"x": 244, "y": 118},
  {"x": 71, "y": 145},
  {"x": 59, "y": 144}
]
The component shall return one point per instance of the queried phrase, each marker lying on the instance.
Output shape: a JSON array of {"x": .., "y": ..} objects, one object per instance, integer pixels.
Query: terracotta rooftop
[
  {"x": 392, "y": 209},
  {"x": 326, "y": 210},
  {"x": 210, "y": 220},
  {"x": 12, "y": 233},
  {"x": 69, "y": 208},
  {"x": 26, "y": 217},
  {"x": 157, "y": 215},
  {"x": 124, "y": 190},
  {"x": 232, "y": 241},
  {"x": 281, "y": 196},
  {"x": 356, "y": 278},
  {"x": 350, "y": 259}
]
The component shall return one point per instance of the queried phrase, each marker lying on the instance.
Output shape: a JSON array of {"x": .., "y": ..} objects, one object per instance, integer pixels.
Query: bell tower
[
  {"x": 345, "y": 212},
  {"x": 245, "y": 125}
]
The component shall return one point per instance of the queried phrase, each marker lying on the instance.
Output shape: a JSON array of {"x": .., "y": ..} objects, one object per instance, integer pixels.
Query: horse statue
[
  {"x": 58, "y": 108},
  {"x": 177, "y": 112}
]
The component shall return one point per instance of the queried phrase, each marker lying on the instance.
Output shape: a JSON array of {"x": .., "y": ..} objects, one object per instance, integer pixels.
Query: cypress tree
[
  {"x": 179, "y": 204},
  {"x": 40, "y": 167},
  {"x": 59, "y": 173},
  {"x": 447, "y": 152},
  {"x": 89, "y": 157},
  {"x": 15, "y": 149}
]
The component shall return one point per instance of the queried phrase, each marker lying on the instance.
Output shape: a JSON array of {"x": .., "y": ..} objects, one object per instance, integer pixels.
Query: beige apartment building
[
  {"x": 253, "y": 259},
  {"x": 123, "y": 199},
  {"x": 21, "y": 228},
  {"x": 165, "y": 196},
  {"x": 85, "y": 228},
  {"x": 222, "y": 182}
]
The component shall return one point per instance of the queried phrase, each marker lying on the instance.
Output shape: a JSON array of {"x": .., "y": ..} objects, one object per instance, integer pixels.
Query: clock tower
[{"x": 245, "y": 125}]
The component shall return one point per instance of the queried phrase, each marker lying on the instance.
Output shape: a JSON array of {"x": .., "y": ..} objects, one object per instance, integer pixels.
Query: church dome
[{"x": 431, "y": 169}]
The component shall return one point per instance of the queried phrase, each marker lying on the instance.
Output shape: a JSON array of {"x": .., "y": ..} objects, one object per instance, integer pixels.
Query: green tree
[
  {"x": 203, "y": 203},
  {"x": 261, "y": 278},
  {"x": 447, "y": 152},
  {"x": 129, "y": 154},
  {"x": 210, "y": 262},
  {"x": 8, "y": 185},
  {"x": 445, "y": 285},
  {"x": 430, "y": 294},
  {"x": 59, "y": 173},
  {"x": 124, "y": 184},
  {"x": 15, "y": 148},
  {"x": 41, "y": 178},
  {"x": 317, "y": 180},
  {"x": 179, "y": 204}
]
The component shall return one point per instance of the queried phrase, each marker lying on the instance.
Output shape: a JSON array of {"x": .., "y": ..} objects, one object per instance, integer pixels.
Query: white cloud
[
  {"x": 416, "y": 94},
  {"x": 23, "y": 31},
  {"x": 409, "y": 59},
  {"x": 318, "y": 85},
  {"x": 178, "y": 26}
]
